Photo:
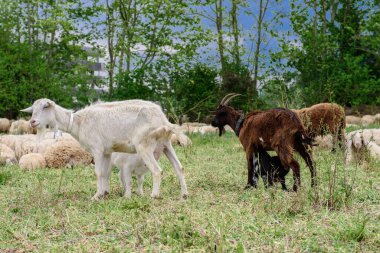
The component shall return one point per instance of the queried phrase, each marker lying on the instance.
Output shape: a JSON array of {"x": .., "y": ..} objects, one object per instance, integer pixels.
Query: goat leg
[
  {"x": 253, "y": 174},
  {"x": 283, "y": 185}
]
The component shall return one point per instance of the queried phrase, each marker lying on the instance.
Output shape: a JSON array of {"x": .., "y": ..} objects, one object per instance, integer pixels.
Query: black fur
[{"x": 270, "y": 169}]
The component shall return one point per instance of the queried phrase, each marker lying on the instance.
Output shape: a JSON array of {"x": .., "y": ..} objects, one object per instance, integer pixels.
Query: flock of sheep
[{"x": 133, "y": 134}]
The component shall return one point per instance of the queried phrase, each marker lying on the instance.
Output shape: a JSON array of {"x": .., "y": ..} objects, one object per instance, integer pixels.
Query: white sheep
[
  {"x": 132, "y": 126},
  {"x": 23, "y": 147},
  {"x": 325, "y": 142},
  {"x": 7, "y": 155},
  {"x": 21, "y": 126},
  {"x": 32, "y": 161},
  {"x": 10, "y": 140},
  {"x": 367, "y": 120},
  {"x": 361, "y": 139},
  {"x": 353, "y": 120},
  {"x": 374, "y": 150},
  {"x": 207, "y": 129},
  {"x": 5, "y": 124}
]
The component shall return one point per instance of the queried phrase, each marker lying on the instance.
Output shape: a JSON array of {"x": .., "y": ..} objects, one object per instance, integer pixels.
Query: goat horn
[
  {"x": 229, "y": 99},
  {"x": 225, "y": 98}
]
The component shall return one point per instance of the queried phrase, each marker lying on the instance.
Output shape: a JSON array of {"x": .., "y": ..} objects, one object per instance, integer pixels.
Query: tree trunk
[
  {"x": 235, "y": 32},
  {"x": 111, "y": 49},
  {"x": 219, "y": 27},
  {"x": 262, "y": 12}
]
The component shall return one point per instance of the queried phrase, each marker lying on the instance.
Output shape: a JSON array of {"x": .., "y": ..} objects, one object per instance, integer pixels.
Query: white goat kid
[
  {"x": 132, "y": 164},
  {"x": 132, "y": 126}
]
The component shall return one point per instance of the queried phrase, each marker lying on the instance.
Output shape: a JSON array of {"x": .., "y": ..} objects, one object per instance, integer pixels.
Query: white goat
[
  {"x": 129, "y": 164},
  {"x": 132, "y": 126}
]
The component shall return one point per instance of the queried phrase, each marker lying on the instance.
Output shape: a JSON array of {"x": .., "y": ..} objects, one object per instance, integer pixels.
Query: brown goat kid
[
  {"x": 324, "y": 118},
  {"x": 275, "y": 129}
]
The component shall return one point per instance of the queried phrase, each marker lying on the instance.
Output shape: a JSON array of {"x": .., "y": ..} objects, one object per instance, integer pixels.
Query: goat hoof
[
  {"x": 127, "y": 196},
  {"x": 248, "y": 187},
  {"x": 185, "y": 196},
  {"x": 155, "y": 196},
  {"x": 295, "y": 188},
  {"x": 99, "y": 196}
]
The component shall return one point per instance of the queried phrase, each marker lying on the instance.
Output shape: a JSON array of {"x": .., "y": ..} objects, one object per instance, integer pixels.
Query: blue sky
[{"x": 247, "y": 24}]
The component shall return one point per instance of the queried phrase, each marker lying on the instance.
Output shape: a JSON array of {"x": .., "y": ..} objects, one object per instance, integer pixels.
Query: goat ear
[
  {"x": 29, "y": 109},
  {"x": 49, "y": 104}
]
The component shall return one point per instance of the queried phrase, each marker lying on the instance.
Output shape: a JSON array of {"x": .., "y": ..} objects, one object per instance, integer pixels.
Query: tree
[
  {"x": 41, "y": 49},
  {"x": 328, "y": 61}
]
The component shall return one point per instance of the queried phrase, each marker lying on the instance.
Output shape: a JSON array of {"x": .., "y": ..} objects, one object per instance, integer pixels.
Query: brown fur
[
  {"x": 66, "y": 153},
  {"x": 275, "y": 129},
  {"x": 322, "y": 119}
]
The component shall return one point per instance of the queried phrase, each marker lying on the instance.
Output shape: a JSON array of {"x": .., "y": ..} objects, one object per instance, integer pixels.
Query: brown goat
[
  {"x": 275, "y": 129},
  {"x": 324, "y": 118}
]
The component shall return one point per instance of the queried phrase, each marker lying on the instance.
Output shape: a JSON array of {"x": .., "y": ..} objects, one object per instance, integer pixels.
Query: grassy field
[{"x": 50, "y": 210}]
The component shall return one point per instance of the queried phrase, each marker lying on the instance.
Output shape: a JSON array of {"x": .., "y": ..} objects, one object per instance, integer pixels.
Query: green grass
[
  {"x": 355, "y": 127},
  {"x": 342, "y": 215}
]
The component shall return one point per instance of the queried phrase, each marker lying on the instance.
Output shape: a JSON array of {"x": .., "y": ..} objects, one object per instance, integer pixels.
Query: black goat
[{"x": 271, "y": 169}]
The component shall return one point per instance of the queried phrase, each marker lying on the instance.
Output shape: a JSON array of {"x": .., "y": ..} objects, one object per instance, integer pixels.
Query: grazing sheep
[
  {"x": 374, "y": 150},
  {"x": 10, "y": 140},
  {"x": 66, "y": 153},
  {"x": 353, "y": 120},
  {"x": 5, "y": 124},
  {"x": 21, "y": 126},
  {"x": 325, "y": 142},
  {"x": 42, "y": 145},
  {"x": 32, "y": 161},
  {"x": 191, "y": 127},
  {"x": 324, "y": 118},
  {"x": 7, "y": 155},
  {"x": 132, "y": 126},
  {"x": 367, "y": 120},
  {"x": 275, "y": 129},
  {"x": 207, "y": 130},
  {"x": 23, "y": 147},
  {"x": 359, "y": 140},
  {"x": 377, "y": 117}
]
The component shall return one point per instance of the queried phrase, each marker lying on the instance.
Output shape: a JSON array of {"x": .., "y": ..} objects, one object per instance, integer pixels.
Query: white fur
[
  {"x": 132, "y": 164},
  {"x": 7, "y": 155},
  {"x": 32, "y": 161},
  {"x": 365, "y": 138},
  {"x": 132, "y": 126}
]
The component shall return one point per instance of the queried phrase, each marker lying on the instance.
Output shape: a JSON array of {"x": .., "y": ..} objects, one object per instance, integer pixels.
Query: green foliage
[
  {"x": 42, "y": 56},
  {"x": 193, "y": 92},
  {"x": 131, "y": 86},
  {"x": 334, "y": 58}
]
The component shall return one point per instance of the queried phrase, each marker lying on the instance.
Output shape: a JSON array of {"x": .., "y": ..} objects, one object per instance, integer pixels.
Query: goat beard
[{"x": 221, "y": 130}]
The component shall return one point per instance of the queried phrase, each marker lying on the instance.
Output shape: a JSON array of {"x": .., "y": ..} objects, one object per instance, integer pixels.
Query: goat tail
[
  {"x": 172, "y": 133},
  {"x": 179, "y": 137}
]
